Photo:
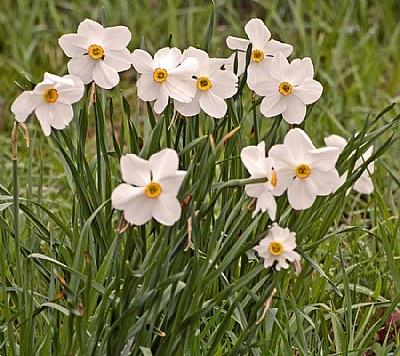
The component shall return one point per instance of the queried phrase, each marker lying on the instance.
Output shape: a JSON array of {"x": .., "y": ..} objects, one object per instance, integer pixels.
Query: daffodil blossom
[
  {"x": 150, "y": 188},
  {"x": 97, "y": 53},
  {"x": 51, "y": 100},
  {"x": 304, "y": 170},
  {"x": 165, "y": 76},
  {"x": 263, "y": 49},
  {"x": 259, "y": 166},
  {"x": 278, "y": 245},
  {"x": 288, "y": 88},
  {"x": 212, "y": 84},
  {"x": 364, "y": 184}
]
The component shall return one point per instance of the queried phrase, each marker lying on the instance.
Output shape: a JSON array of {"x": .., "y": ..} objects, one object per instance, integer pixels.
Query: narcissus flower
[
  {"x": 97, "y": 53},
  {"x": 288, "y": 88},
  {"x": 259, "y": 166},
  {"x": 304, "y": 170},
  {"x": 165, "y": 76},
  {"x": 213, "y": 84},
  {"x": 51, "y": 100},
  {"x": 364, "y": 184},
  {"x": 278, "y": 246},
  {"x": 150, "y": 189},
  {"x": 263, "y": 49}
]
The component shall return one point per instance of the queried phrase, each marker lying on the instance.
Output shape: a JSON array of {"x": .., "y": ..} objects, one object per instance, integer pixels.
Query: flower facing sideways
[
  {"x": 302, "y": 169},
  {"x": 288, "y": 88},
  {"x": 259, "y": 166},
  {"x": 263, "y": 49},
  {"x": 51, "y": 100},
  {"x": 150, "y": 189},
  {"x": 212, "y": 84},
  {"x": 97, "y": 53},
  {"x": 278, "y": 246},
  {"x": 165, "y": 76},
  {"x": 363, "y": 184}
]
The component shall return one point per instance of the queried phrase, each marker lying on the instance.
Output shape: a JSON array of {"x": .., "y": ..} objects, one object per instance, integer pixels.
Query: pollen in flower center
[
  {"x": 285, "y": 88},
  {"x": 96, "y": 52},
  {"x": 51, "y": 95},
  {"x": 257, "y": 55},
  {"x": 203, "y": 83},
  {"x": 153, "y": 190},
  {"x": 160, "y": 75},
  {"x": 275, "y": 248},
  {"x": 303, "y": 171}
]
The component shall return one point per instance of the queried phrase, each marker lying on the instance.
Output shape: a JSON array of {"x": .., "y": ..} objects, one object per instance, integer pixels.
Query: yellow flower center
[
  {"x": 285, "y": 88},
  {"x": 203, "y": 83},
  {"x": 275, "y": 248},
  {"x": 160, "y": 75},
  {"x": 274, "y": 179},
  {"x": 96, "y": 52},
  {"x": 303, "y": 171},
  {"x": 153, "y": 190},
  {"x": 257, "y": 55},
  {"x": 51, "y": 95}
]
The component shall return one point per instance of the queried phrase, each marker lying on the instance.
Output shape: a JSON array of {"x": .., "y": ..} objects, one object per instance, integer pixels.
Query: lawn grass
[{"x": 70, "y": 283}]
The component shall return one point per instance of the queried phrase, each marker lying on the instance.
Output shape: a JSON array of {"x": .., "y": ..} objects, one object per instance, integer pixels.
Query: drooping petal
[
  {"x": 212, "y": 105},
  {"x": 139, "y": 211},
  {"x": 44, "y": 116},
  {"x": 172, "y": 184},
  {"x": 74, "y": 45},
  {"x": 135, "y": 170},
  {"x": 167, "y": 58},
  {"x": 257, "y": 32},
  {"x": 309, "y": 91},
  {"x": 163, "y": 164},
  {"x": 188, "y": 109},
  {"x": 82, "y": 67},
  {"x": 298, "y": 144},
  {"x": 116, "y": 38},
  {"x": 71, "y": 94},
  {"x": 167, "y": 209},
  {"x": 119, "y": 60},
  {"x": 142, "y": 61},
  {"x": 92, "y": 30},
  {"x": 324, "y": 158},
  {"x": 295, "y": 110},
  {"x": 106, "y": 77},
  {"x": 240, "y": 44},
  {"x": 25, "y": 104},
  {"x": 302, "y": 193},
  {"x": 266, "y": 202}
]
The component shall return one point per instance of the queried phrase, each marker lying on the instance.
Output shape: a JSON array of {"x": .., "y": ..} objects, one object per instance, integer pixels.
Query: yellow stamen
[
  {"x": 203, "y": 83},
  {"x": 51, "y": 95},
  {"x": 96, "y": 52},
  {"x": 275, "y": 248},
  {"x": 303, "y": 171},
  {"x": 274, "y": 179},
  {"x": 257, "y": 55},
  {"x": 160, "y": 75},
  {"x": 285, "y": 88},
  {"x": 153, "y": 190}
]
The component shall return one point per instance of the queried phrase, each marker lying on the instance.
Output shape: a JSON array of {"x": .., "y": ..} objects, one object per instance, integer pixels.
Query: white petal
[
  {"x": 122, "y": 196},
  {"x": 266, "y": 86},
  {"x": 257, "y": 32},
  {"x": 224, "y": 84},
  {"x": 148, "y": 89},
  {"x": 201, "y": 56},
  {"x": 162, "y": 100},
  {"x": 178, "y": 89},
  {"x": 326, "y": 182},
  {"x": 302, "y": 193},
  {"x": 172, "y": 184},
  {"x": 105, "y": 76},
  {"x": 186, "y": 69},
  {"x": 279, "y": 68},
  {"x": 364, "y": 185},
  {"x": 283, "y": 158},
  {"x": 257, "y": 72},
  {"x": 163, "y": 164},
  {"x": 241, "y": 63},
  {"x": 142, "y": 61},
  {"x": 213, "y": 105},
  {"x": 82, "y": 67},
  {"x": 60, "y": 115},
  {"x": 298, "y": 144},
  {"x": 309, "y": 91},
  {"x": 92, "y": 30},
  {"x": 274, "y": 47},
  {"x": 336, "y": 141},
  {"x": 25, "y": 104},
  {"x": 188, "y": 109},
  {"x": 284, "y": 179},
  {"x": 252, "y": 158},
  {"x": 44, "y": 116},
  {"x": 74, "y": 45},
  {"x": 167, "y": 58},
  {"x": 266, "y": 202},
  {"x": 255, "y": 190},
  {"x": 273, "y": 105},
  {"x": 116, "y": 38},
  {"x": 119, "y": 60},
  {"x": 167, "y": 210},
  {"x": 295, "y": 110},
  {"x": 237, "y": 43},
  {"x": 299, "y": 71},
  {"x": 324, "y": 158},
  {"x": 135, "y": 170},
  {"x": 140, "y": 209},
  {"x": 71, "y": 94}
]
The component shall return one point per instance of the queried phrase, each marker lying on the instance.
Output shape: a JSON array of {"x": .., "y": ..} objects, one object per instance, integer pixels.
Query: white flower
[
  {"x": 263, "y": 49},
  {"x": 150, "y": 189},
  {"x": 259, "y": 166},
  {"x": 165, "y": 76},
  {"x": 288, "y": 88},
  {"x": 213, "y": 85},
  {"x": 278, "y": 246},
  {"x": 97, "y": 53},
  {"x": 363, "y": 184},
  {"x": 51, "y": 100},
  {"x": 304, "y": 170}
]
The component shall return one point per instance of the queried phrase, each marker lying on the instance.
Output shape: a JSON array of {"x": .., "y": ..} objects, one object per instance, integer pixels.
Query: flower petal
[
  {"x": 295, "y": 110},
  {"x": 140, "y": 209},
  {"x": 273, "y": 105},
  {"x": 257, "y": 72},
  {"x": 273, "y": 47},
  {"x": 148, "y": 89},
  {"x": 240, "y": 44},
  {"x": 326, "y": 182},
  {"x": 135, "y": 170},
  {"x": 172, "y": 184},
  {"x": 224, "y": 84},
  {"x": 188, "y": 109},
  {"x": 71, "y": 94},
  {"x": 336, "y": 141},
  {"x": 162, "y": 100},
  {"x": 74, "y": 45},
  {"x": 105, "y": 76},
  {"x": 142, "y": 61},
  {"x": 252, "y": 158},
  {"x": 60, "y": 115},
  {"x": 119, "y": 60},
  {"x": 284, "y": 179},
  {"x": 82, "y": 67},
  {"x": 213, "y": 105},
  {"x": 178, "y": 89},
  {"x": 116, "y": 38},
  {"x": 92, "y": 30},
  {"x": 302, "y": 193},
  {"x": 25, "y": 104},
  {"x": 299, "y": 71},
  {"x": 298, "y": 144},
  {"x": 266, "y": 202},
  {"x": 167, "y": 58},
  {"x": 122, "y": 196},
  {"x": 164, "y": 164},
  {"x": 257, "y": 32},
  {"x": 364, "y": 185},
  {"x": 324, "y": 158},
  {"x": 44, "y": 116},
  {"x": 309, "y": 91},
  {"x": 167, "y": 210}
]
